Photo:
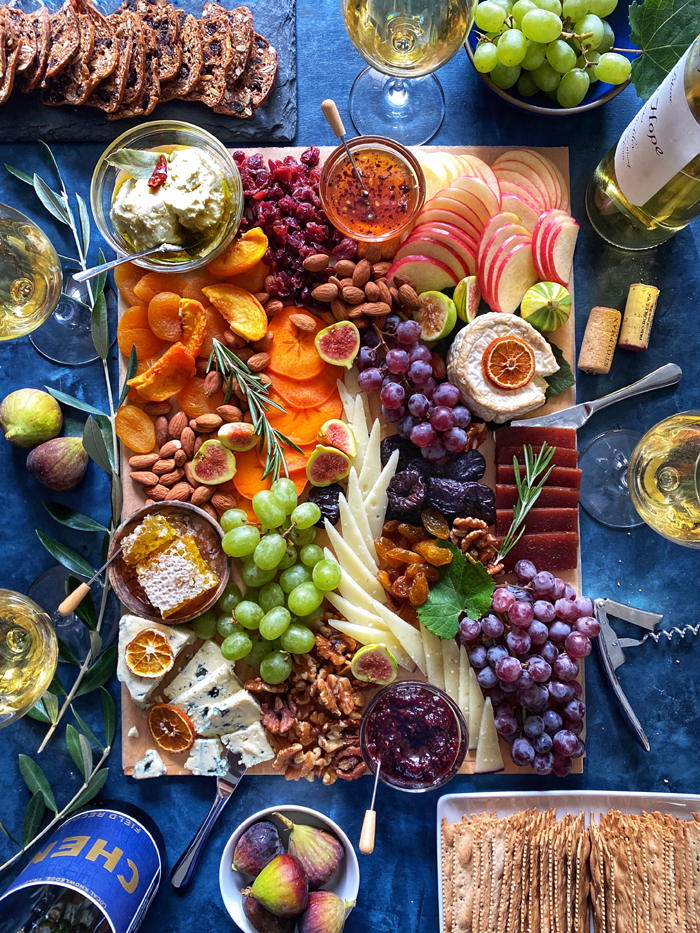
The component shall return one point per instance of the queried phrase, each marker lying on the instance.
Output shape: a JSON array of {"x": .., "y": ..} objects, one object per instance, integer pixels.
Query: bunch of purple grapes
[
  {"x": 526, "y": 653},
  {"x": 424, "y": 410}
]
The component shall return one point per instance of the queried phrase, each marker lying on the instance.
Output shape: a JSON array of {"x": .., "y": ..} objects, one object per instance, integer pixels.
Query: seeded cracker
[
  {"x": 217, "y": 51},
  {"x": 163, "y": 19},
  {"x": 72, "y": 84},
  {"x": 448, "y": 840},
  {"x": 508, "y": 869},
  {"x": 582, "y": 923},
  {"x": 597, "y": 885},
  {"x": 192, "y": 60},
  {"x": 64, "y": 39},
  {"x": 463, "y": 877},
  {"x": 34, "y": 74},
  {"x": 692, "y": 834},
  {"x": 559, "y": 903},
  {"x": 109, "y": 94},
  {"x": 137, "y": 66},
  {"x": 11, "y": 51},
  {"x": 498, "y": 856}
]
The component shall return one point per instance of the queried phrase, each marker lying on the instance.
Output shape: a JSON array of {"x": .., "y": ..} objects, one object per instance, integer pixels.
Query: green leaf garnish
[
  {"x": 663, "y": 30},
  {"x": 36, "y": 780},
  {"x": 95, "y": 446},
  {"x": 33, "y": 817},
  {"x": 463, "y": 587},
  {"x": 99, "y": 673},
  {"x": 67, "y": 516},
  {"x": 109, "y": 716},
  {"x": 64, "y": 555},
  {"x": 139, "y": 163},
  {"x": 563, "y": 378},
  {"x": 92, "y": 790}
]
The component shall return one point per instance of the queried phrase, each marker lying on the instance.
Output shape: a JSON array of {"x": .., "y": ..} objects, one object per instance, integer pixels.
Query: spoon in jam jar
[{"x": 331, "y": 113}]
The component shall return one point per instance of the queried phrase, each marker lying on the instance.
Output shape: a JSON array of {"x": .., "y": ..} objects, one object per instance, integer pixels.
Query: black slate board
[{"x": 24, "y": 118}]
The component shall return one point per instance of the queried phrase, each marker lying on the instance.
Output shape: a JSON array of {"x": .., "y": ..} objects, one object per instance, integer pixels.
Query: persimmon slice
[
  {"x": 302, "y": 425},
  {"x": 508, "y": 363},
  {"x": 307, "y": 393},
  {"x": 293, "y": 351},
  {"x": 149, "y": 654},
  {"x": 171, "y": 728}
]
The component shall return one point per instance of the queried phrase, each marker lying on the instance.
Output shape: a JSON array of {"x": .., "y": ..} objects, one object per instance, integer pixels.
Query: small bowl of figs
[{"x": 289, "y": 869}]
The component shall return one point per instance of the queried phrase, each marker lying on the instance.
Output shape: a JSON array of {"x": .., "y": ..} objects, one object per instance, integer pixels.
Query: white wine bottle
[{"x": 648, "y": 186}]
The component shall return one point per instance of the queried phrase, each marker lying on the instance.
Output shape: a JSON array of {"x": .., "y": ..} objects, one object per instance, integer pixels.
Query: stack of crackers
[{"x": 532, "y": 873}]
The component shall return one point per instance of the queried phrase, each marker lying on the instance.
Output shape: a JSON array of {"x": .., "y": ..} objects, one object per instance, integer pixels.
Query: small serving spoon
[
  {"x": 330, "y": 112},
  {"x": 106, "y": 266}
]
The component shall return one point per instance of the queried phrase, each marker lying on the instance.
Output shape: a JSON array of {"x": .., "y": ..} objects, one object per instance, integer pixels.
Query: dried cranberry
[
  {"x": 305, "y": 212},
  {"x": 297, "y": 280},
  {"x": 315, "y": 174},
  {"x": 260, "y": 194},
  {"x": 287, "y": 204},
  {"x": 263, "y": 177},
  {"x": 306, "y": 294},
  {"x": 310, "y": 156},
  {"x": 239, "y": 156},
  {"x": 293, "y": 223},
  {"x": 317, "y": 231},
  {"x": 256, "y": 161},
  {"x": 346, "y": 249},
  {"x": 280, "y": 231},
  {"x": 268, "y": 212},
  {"x": 275, "y": 193},
  {"x": 296, "y": 240},
  {"x": 290, "y": 160},
  {"x": 268, "y": 257}
]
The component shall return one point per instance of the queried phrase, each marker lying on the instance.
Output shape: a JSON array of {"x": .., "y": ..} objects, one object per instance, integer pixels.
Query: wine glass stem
[{"x": 397, "y": 94}]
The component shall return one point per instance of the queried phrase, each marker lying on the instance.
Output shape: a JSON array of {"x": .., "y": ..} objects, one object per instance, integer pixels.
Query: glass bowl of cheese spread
[{"x": 167, "y": 182}]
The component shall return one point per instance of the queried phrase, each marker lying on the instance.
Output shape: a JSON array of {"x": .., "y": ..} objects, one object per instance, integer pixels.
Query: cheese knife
[
  {"x": 182, "y": 873},
  {"x": 578, "y": 415}
]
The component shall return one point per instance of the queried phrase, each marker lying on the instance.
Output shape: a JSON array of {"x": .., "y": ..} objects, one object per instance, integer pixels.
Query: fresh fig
[
  {"x": 338, "y": 344},
  {"x": 29, "y": 417},
  {"x": 374, "y": 664},
  {"x": 59, "y": 464},
  {"x": 263, "y": 921},
  {"x": 281, "y": 887},
  {"x": 467, "y": 296},
  {"x": 258, "y": 845},
  {"x": 325, "y": 913},
  {"x": 336, "y": 433},
  {"x": 327, "y": 465},
  {"x": 319, "y": 851},
  {"x": 238, "y": 436},
  {"x": 213, "y": 463}
]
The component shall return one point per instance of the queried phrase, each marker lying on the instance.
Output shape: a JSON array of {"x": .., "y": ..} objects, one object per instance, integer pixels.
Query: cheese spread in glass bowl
[{"x": 198, "y": 206}]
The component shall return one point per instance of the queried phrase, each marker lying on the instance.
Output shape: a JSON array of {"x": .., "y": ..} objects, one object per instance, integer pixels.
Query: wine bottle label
[
  {"x": 659, "y": 142},
  {"x": 105, "y": 855}
]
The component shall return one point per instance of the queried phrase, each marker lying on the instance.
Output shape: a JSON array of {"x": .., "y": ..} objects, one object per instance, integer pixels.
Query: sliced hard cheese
[
  {"x": 353, "y": 537},
  {"x": 357, "y": 507},
  {"x": 356, "y": 613},
  {"x": 348, "y": 560},
  {"x": 488, "y": 749},
  {"x": 372, "y": 463},
  {"x": 450, "y": 667},
  {"x": 476, "y": 708},
  {"x": 347, "y": 399},
  {"x": 464, "y": 668},
  {"x": 374, "y": 636},
  {"x": 377, "y": 500},
  {"x": 432, "y": 647},
  {"x": 359, "y": 427}
]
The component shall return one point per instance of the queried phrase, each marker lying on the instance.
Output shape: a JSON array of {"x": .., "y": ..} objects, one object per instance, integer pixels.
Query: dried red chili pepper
[{"x": 160, "y": 173}]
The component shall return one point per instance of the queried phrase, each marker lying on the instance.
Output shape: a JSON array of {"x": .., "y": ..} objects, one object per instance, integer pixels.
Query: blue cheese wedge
[
  {"x": 207, "y": 757},
  {"x": 207, "y": 660},
  {"x": 141, "y": 688},
  {"x": 250, "y": 744},
  {"x": 150, "y": 766},
  {"x": 215, "y": 687},
  {"x": 222, "y": 716},
  {"x": 133, "y": 733}
]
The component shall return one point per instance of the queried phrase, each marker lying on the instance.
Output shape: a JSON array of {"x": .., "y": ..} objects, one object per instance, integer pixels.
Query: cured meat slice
[
  {"x": 217, "y": 51},
  {"x": 150, "y": 95},
  {"x": 103, "y": 60},
  {"x": 555, "y": 437},
  {"x": 255, "y": 85},
  {"x": 556, "y": 550},
  {"x": 64, "y": 40},
  {"x": 539, "y": 520},
  {"x": 560, "y": 476},
  {"x": 137, "y": 66},
  {"x": 72, "y": 84},
  {"x": 41, "y": 24},
  {"x": 109, "y": 94},
  {"x": 557, "y": 497},
  {"x": 11, "y": 46},
  {"x": 563, "y": 457},
  {"x": 162, "y": 17},
  {"x": 192, "y": 60}
]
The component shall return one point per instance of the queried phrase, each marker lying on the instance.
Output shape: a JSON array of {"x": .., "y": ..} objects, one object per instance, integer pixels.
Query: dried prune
[
  {"x": 405, "y": 448},
  {"x": 327, "y": 499},
  {"x": 426, "y": 467},
  {"x": 480, "y": 502},
  {"x": 466, "y": 467},
  {"x": 447, "y": 496},
  {"x": 406, "y": 493}
]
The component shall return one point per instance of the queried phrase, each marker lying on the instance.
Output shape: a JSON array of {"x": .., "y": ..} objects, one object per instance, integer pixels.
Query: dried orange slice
[
  {"x": 171, "y": 728},
  {"x": 149, "y": 654},
  {"x": 508, "y": 363}
]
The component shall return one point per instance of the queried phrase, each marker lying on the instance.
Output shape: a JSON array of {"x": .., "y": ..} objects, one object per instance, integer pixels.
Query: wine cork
[
  {"x": 599, "y": 340},
  {"x": 639, "y": 315}
]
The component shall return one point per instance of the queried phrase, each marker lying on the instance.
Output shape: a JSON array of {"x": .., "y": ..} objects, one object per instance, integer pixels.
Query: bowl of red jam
[
  {"x": 393, "y": 193},
  {"x": 417, "y": 733}
]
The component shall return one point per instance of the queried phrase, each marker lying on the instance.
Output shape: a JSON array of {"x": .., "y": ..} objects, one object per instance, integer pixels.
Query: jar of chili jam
[
  {"x": 393, "y": 194},
  {"x": 418, "y": 734}
]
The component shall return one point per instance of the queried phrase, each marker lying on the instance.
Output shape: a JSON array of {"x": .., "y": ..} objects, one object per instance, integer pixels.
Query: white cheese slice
[
  {"x": 215, "y": 687},
  {"x": 351, "y": 534},
  {"x": 150, "y": 766},
  {"x": 357, "y": 507},
  {"x": 356, "y": 613},
  {"x": 432, "y": 646},
  {"x": 372, "y": 463},
  {"x": 476, "y": 708},
  {"x": 464, "y": 668},
  {"x": 206, "y": 660},
  {"x": 348, "y": 560},
  {"x": 377, "y": 500},
  {"x": 374, "y": 636},
  {"x": 141, "y": 688},
  {"x": 207, "y": 757},
  {"x": 450, "y": 666},
  {"x": 488, "y": 749},
  {"x": 250, "y": 744},
  {"x": 239, "y": 709},
  {"x": 347, "y": 399},
  {"x": 359, "y": 428}
]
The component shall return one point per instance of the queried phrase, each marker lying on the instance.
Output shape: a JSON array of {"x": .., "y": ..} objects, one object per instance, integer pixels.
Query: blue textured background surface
[{"x": 398, "y": 890}]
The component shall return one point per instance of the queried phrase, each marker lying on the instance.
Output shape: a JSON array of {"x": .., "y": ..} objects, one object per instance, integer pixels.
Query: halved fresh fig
[
  {"x": 374, "y": 664},
  {"x": 338, "y": 344},
  {"x": 238, "y": 436},
  {"x": 437, "y": 315},
  {"x": 326, "y": 466},
  {"x": 213, "y": 463},
  {"x": 466, "y": 297},
  {"x": 336, "y": 433}
]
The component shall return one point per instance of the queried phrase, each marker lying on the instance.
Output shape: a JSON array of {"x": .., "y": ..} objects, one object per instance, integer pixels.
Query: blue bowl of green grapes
[{"x": 552, "y": 56}]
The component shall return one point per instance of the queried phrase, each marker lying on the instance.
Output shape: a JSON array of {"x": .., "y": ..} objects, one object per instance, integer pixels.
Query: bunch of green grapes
[
  {"x": 546, "y": 45},
  {"x": 286, "y": 576}
]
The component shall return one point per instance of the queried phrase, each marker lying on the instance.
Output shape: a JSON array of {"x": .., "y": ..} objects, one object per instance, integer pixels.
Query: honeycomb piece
[
  {"x": 175, "y": 575},
  {"x": 153, "y": 532}
]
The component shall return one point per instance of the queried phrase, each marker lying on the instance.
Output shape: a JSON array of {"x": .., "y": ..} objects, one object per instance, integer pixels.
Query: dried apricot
[
  {"x": 195, "y": 282},
  {"x": 167, "y": 376},
  {"x": 194, "y": 324},
  {"x": 133, "y": 331},
  {"x": 194, "y": 402},
  {"x": 401, "y": 587},
  {"x": 242, "y": 254},
  {"x": 412, "y": 533},
  {"x": 125, "y": 278},
  {"x": 419, "y": 590},
  {"x": 244, "y": 313},
  {"x": 293, "y": 351},
  {"x": 150, "y": 284},
  {"x": 435, "y": 523},
  {"x": 164, "y": 316},
  {"x": 254, "y": 279},
  {"x": 215, "y": 329},
  {"x": 141, "y": 367},
  {"x": 135, "y": 429},
  {"x": 433, "y": 553},
  {"x": 404, "y": 556}
]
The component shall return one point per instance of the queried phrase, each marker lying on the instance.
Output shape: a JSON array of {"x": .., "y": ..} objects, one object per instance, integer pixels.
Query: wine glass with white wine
[
  {"x": 403, "y": 41},
  {"x": 629, "y": 479}
]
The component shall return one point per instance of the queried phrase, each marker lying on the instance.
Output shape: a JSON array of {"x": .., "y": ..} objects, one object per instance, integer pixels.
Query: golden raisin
[
  {"x": 383, "y": 547},
  {"x": 435, "y": 523},
  {"x": 390, "y": 528},
  {"x": 401, "y": 587},
  {"x": 432, "y": 574},
  {"x": 433, "y": 554},
  {"x": 414, "y": 569},
  {"x": 385, "y": 580},
  {"x": 419, "y": 590},
  {"x": 411, "y": 532},
  {"x": 401, "y": 554}
]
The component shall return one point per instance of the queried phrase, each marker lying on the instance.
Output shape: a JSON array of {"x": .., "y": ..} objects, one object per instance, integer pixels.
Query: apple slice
[
  {"x": 432, "y": 247},
  {"x": 456, "y": 245},
  {"x": 537, "y": 235},
  {"x": 564, "y": 203},
  {"x": 518, "y": 191},
  {"x": 493, "y": 262},
  {"x": 549, "y": 167},
  {"x": 476, "y": 708},
  {"x": 480, "y": 168},
  {"x": 433, "y": 181},
  {"x": 560, "y": 252},
  {"x": 428, "y": 274},
  {"x": 502, "y": 219},
  {"x": 430, "y": 214},
  {"x": 533, "y": 192},
  {"x": 471, "y": 201},
  {"x": 515, "y": 274},
  {"x": 481, "y": 190},
  {"x": 545, "y": 186},
  {"x": 545, "y": 237},
  {"x": 540, "y": 165},
  {"x": 466, "y": 240},
  {"x": 452, "y": 164},
  {"x": 527, "y": 214},
  {"x": 494, "y": 243},
  {"x": 488, "y": 747},
  {"x": 447, "y": 203}
]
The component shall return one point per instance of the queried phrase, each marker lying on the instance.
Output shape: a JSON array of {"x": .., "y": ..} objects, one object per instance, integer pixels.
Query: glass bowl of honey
[{"x": 387, "y": 202}]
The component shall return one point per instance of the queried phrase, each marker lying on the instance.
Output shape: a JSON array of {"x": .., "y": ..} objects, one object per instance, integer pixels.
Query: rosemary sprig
[
  {"x": 256, "y": 393},
  {"x": 529, "y": 489}
]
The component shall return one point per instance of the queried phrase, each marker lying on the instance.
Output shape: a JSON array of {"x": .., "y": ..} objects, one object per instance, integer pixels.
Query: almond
[
  {"x": 372, "y": 252},
  {"x": 261, "y": 297},
  {"x": 229, "y": 338},
  {"x": 326, "y": 317},
  {"x": 269, "y": 279},
  {"x": 161, "y": 426},
  {"x": 180, "y": 458},
  {"x": 361, "y": 322},
  {"x": 325, "y": 293},
  {"x": 177, "y": 423},
  {"x": 198, "y": 441},
  {"x": 372, "y": 309},
  {"x": 157, "y": 408},
  {"x": 362, "y": 273},
  {"x": 244, "y": 354},
  {"x": 248, "y": 418},
  {"x": 169, "y": 479},
  {"x": 193, "y": 424},
  {"x": 187, "y": 441},
  {"x": 208, "y": 422},
  {"x": 200, "y": 366},
  {"x": 149, "y": 502},
  {"x": 234, "y": 340},
  {"x": 408, "y": 297},
  {"x": 372, "y": 291},
  {"x": 168, "y": 450},
  {"x": 157, "y": 493},
  {"x": 265, "y": 343},
  {"x": 385, "y": 293},
  {"x": 334, "y": 280},
  {"x": 211, "y": 512},
  {"x": 201, "y": 495},
  {"x": 144, "y": 477},
  {"x": 179, "y": 493},
  {"x": 222, "y": 501},
  {"x": 354, "y": 295},
  {"x": 258, "y": 362},
  {"x": 274, "y": 307},
  {"x": 212, "y": 383},
  {"x": 394, "y": 292},
  {"x": 345, "y": 283},
  {"x": 439, "y": 368},
  {"x": 339, "y": 310},
  {"x": 229, "y": 412},
  {"x": 163, "y": 466},
  {"x": 143, "y": 461},
  {"x": 304, "y": 322},
  {"x": 401, "y": 279},
  {"x": 344, "y": 267},
  {"x": 380, "y": 268},
  {"x": 316, "y": 263},
  {"x": 189, "y": 475}
]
